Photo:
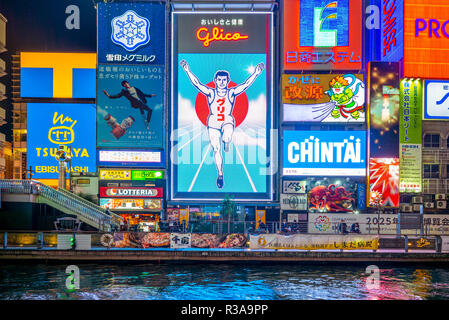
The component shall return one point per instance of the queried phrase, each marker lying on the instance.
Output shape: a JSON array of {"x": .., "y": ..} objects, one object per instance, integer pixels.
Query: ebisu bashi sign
[
  {"x": 50, "y": 125},
  {"x": 324, "y": 153},
  {"x": 221, "y": 105},
  {"x": 131, "y": 33},
  {"x": 323, "y": 98},
  {"x": 322, "y": 35}
]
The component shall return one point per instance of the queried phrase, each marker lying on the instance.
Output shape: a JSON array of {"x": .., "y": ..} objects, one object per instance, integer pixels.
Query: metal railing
[{"x": 91, "y": 212}]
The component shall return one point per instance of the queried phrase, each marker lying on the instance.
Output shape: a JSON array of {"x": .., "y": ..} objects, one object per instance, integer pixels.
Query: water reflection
[{"x": 220, "y": 281}]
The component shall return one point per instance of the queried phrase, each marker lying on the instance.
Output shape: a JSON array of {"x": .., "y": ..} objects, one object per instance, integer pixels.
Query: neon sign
[
  {"x": 217, "y": 34},
  {"x": 433, "y": 25},
  {"x": 389, "y": 27}
]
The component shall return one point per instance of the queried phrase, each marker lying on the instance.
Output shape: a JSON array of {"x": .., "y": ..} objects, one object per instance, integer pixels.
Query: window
[
  {"x": 432, "y": 141},
  {"x": 431, "y": 171}
]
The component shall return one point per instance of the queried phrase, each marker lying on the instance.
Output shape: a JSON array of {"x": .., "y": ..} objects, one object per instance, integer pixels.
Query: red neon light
[{"x": 203, "y": 34}]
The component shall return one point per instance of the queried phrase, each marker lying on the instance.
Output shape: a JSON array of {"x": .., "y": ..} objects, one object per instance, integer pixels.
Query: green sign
[
  {"x": 410, "y": 137},
  {"x": 147, "y": 174}
]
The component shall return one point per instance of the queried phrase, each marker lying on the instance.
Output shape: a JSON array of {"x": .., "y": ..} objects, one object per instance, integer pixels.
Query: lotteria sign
[
  {"x": 328, "y": 153},
  {"x": 131, "y": 192}
]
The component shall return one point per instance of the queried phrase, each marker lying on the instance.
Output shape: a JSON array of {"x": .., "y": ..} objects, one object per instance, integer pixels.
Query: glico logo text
[
  {"x": 434, "y": 27},
  {"x": 217, "y": 34}
]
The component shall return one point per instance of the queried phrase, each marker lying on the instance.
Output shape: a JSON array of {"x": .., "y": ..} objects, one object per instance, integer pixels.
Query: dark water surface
[{"x": 220, "y": 281}]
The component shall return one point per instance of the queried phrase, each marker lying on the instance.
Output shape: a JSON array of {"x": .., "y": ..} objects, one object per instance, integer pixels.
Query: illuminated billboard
[
  {"x": 130, "y": 106},
  {"x": 384, "y": 182},
  {"x": 57, "y": 75},
  {"x": 127, "y": 192},
  {"x": 322, "y": 35},
  {"x": 221, "y": 105},
  {"x": 131, "y": 33},
  {"x": 129, "y": 158},
  {"x": 131, "y": 204},
  {"x": 138, "y": 175},
  {"x": 436, "y": 100},
  {"x": 340, "y": 196},
  {"x": 324, "y": 153},
  {"x": 426, "y": 44},
  {"x": 410, "y": 136},
  {"x": 50, "y": 125},
  {"x": 323, "y": 98},
  {"x": 392, "y": 30},
  {"x": 383, "y": 99}
]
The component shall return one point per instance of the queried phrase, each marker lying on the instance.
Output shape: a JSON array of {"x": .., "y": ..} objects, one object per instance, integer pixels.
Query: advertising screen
[
  {"x": 221, "y": 105},
  {"x": 410, "y": 136},
  {"x": 57, "y": 75},
  {"x": 131, "y": 33},
  {"x": 436, "y": 102},
  {"x": 392, "y": 30},
  {"x": 123, "y": 158},
  {"x": 383, "y": 98},
  {"x": 50, "y": 125},
  {"x": 131, "y": 204},
  {"x": 426, "y": 44},
  {"x": 322, "y": 35},
  {"x": 324, "y": 153},
  {"x": 339, "y": 196},
  {"x": 323, "y": 98},
  {"x": 384, "y": 182},
  {"x": 130, "y": 109}
]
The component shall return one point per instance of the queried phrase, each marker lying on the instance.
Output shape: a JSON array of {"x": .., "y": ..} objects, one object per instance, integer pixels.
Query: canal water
[{"x": 220, "y": 281}]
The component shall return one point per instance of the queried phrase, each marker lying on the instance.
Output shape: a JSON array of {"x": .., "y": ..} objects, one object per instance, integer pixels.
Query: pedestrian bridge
[{"x": 62, "y": 200}]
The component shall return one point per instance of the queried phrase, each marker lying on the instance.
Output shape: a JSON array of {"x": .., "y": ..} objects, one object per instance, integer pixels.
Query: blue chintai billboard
[
  {"x": 131, "y": 33},
  {"x": 50, "y": 125},
  {"x": 221, "y": 106},
  {"x": 324, "y": 153},
  {"x": 130, "y": 106}
]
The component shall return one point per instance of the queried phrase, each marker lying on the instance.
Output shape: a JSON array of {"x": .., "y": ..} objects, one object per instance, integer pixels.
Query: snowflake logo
[{"x": 130, "y": 30}]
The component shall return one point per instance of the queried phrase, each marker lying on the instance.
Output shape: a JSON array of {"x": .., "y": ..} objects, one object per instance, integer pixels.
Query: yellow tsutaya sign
[{"x": 62, "y": 65}]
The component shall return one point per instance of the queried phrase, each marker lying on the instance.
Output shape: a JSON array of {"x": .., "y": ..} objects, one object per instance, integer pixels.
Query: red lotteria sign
[{"x": 131, "y": 192}]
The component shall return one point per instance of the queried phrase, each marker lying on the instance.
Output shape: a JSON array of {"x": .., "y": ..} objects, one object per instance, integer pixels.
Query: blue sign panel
[
  {"x": 130, "y": 110},
  {"x": 50, "y": 125},
  {"x": 131, "y": 158},
  {"x": 324, "y": 23},
  {"x": 324, "y": 153},
  {"x": 392, "y": 26},
  {"x": 131, "y": 33}
]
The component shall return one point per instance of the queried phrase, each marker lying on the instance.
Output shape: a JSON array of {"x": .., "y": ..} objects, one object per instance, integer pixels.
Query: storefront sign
[
  {"x": 314, "y": 242},
  {"x": 384, "y": 182},
  {"x": 180, "y": 240},
  {"x": 322, "y": 35},
  {"x": 221, "y": 145},
  {"x": 426, "y": 44},
  {"x": 410, "y": 136},
  {"x": 131, "y": 204},
  {"x": 261, "y": 216},
  {"x": 323, "y": 98},
  {"x": 294, "y": 186},
  {"x": 130, "y": 106},
  {"x": 324, "y": 153},
  {"x": 57, "y": 75},
  {"x": 184, "y": 216},
  {"x": 392, "y": 20},
  {"x": 172, "y": 214},
  {"x": 126, "y": 158},
  {"x": 131, "y": 192},
  {"x": 111, "y": 174},
  {"x": 51, "y": 125},
  {"x": 147, "y": 174},
  {"x": 436, "y": 102},
  {"x": 296, "y": 202},
  {"x": 131, "y": 33}
]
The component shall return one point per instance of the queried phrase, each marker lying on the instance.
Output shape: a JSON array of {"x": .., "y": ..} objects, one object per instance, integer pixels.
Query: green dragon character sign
[{"x": 343, "y": 94}]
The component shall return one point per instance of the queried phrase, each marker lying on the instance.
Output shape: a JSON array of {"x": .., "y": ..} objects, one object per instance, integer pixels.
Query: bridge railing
[{"x": 97, "y": 215}]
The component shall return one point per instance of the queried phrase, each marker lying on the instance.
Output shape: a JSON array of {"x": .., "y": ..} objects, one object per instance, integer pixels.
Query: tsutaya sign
[{"x": 331, "y": 153}]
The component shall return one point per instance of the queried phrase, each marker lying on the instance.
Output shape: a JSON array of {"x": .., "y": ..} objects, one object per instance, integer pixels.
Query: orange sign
[
  {"x": 322, "y": 35},
  {"x": 426, "y": 39}
]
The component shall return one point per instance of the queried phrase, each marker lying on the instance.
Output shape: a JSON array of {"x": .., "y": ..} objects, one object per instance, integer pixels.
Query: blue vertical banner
[
  {"x": 361, "y": 196},
  {"x": 372, "y": 27},
  {"x": 131, "y": 33},
  {"x": 392, "y": 30}
]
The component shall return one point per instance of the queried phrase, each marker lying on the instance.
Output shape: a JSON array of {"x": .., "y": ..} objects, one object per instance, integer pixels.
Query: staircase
[{"x": 64, "y": 201}]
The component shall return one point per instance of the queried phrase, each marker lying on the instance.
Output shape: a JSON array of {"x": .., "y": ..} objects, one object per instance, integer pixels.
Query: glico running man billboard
[
  {"x": 50, "y": 125},
  {"x": 221, "y": 105},
  {"x": 130, "y": 106},
  {"x": 131, "y": 33}
]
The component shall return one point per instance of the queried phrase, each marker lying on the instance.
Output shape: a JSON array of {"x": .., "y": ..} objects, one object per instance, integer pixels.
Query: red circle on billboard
[{"x": 239, "y": 111}]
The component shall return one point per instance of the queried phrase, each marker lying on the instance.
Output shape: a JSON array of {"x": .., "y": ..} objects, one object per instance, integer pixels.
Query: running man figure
[
  {"x": 137, "y": 99},
  {"x": 221, "y": 123}
]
